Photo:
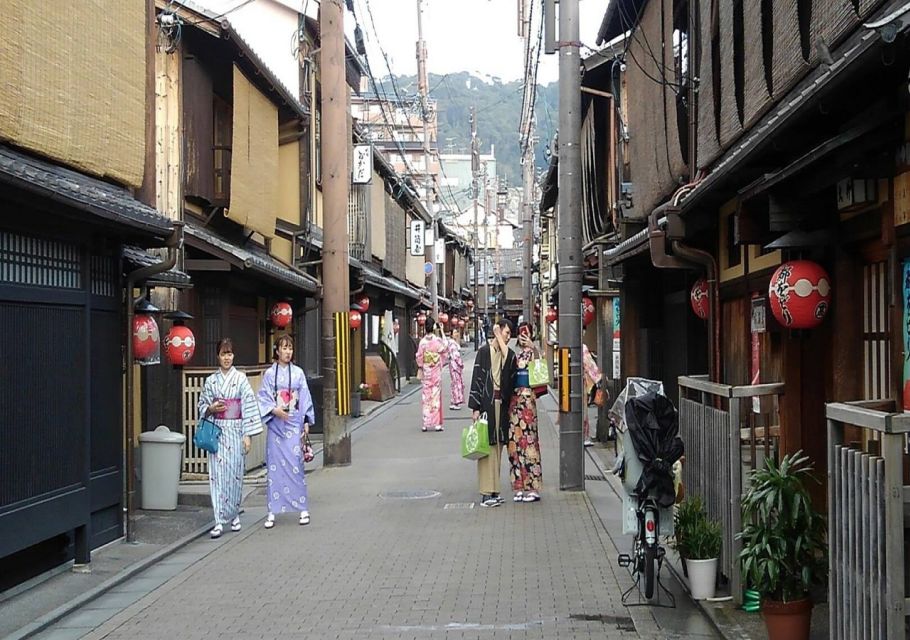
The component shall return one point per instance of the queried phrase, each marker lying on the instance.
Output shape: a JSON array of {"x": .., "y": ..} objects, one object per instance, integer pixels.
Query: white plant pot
[{"x": 702, "y": 577}]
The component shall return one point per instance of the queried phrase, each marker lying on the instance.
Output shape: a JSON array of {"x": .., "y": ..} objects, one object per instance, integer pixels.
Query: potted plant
[
  {"x": 703, "y": 544},
  {"x": 784, "y": 546},
  {"x": 687, "y": 514},
  {"x": 364, "y": 389}
]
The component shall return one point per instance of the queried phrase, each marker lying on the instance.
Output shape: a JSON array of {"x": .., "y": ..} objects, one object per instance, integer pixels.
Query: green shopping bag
[
  {"x": 475, "y": 439},
  {"x": 538, "y": 373}
]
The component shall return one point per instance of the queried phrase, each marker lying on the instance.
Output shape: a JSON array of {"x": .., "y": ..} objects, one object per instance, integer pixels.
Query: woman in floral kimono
[
  {"x": 524, "y": 443},
  {"x": 591, "y": 378},
  {"x": 431, "y": 358},
  {"x": 286, "y": 403},
  {"x": 456, "y": 370},
  {"x": 228, "y": 398}
]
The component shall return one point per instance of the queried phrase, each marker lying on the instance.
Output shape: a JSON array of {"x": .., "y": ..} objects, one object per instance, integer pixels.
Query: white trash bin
[{"x": 162, "y": 456}]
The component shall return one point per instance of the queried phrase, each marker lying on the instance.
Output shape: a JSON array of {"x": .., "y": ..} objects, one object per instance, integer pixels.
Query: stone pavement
[{"x": 399, "y": 548}]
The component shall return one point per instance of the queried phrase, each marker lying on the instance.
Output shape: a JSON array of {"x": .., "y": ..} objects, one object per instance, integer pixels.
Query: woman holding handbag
[
  {"x": 228, "y": 399},
  {"x": 524, "y": 443},
  {"x": 286, "y": 403}
]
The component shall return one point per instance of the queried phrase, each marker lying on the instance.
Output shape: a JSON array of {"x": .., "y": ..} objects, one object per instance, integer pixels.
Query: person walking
[
  {"x": 591, "y": 379},
  {"x": 456, "y": 370},
  {"x": 524, "y": 444},
  {"x": 491, "y": 392},
  {"x": 285, "y": 400},
  {"x": 228, "y": 399},
  {"x": 431, "y": 358}
]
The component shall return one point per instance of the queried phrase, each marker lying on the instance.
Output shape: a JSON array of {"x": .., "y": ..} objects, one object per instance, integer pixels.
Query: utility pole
[
  {"x": 336, "y": 176},
  {"x": 486, "y": 243},
  {"x": 571, "y": 458},
  {"x": 475, "y": 170},
  {"x": 422, "y": 88},
  {"x": 527, "y": 162}
]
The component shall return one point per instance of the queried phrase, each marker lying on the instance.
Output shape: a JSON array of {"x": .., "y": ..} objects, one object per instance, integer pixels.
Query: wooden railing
[
  {"x": 866, "y": 530},
  {"x": 195, "y": 461},
  {"x": 717, "y": 422}
]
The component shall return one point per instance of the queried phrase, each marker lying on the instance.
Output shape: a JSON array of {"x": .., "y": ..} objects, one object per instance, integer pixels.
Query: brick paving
[{"x": 375, "y": 564}]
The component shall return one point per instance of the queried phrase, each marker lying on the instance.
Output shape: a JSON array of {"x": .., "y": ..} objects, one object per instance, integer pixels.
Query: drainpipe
[
  {"x": 174, "y": 243},
  {"x": 682, "y": 256}
]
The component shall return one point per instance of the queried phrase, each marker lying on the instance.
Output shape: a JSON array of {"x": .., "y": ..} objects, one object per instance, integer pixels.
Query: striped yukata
[{"x": 240, "y": 418}]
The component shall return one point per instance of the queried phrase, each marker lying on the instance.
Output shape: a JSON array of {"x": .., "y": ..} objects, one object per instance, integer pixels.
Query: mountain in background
[{"x": 498, "y": 107}]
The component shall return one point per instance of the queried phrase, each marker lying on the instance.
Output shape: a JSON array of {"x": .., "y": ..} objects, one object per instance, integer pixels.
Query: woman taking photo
[
  {"x": 228, "y": 399},
  {"x": 286, "y": 403},
  {"x": 524, "y": 444}
]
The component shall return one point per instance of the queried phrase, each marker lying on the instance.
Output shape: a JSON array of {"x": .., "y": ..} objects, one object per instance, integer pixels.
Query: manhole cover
[
  {"x": 595, "y": 478},
  {"x": 623, "y": 623},
  {"x": 459, "y": 505},
  {"x": 408, "y": 495}
]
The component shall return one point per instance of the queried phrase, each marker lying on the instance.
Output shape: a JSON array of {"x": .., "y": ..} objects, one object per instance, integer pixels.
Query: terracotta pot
[{"x": 787, "y": 620}]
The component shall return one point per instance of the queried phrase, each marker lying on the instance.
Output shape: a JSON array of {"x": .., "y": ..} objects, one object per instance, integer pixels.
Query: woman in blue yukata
[
  {"x": 228, "y": 398},
  {"x": 286, "y": 404}
]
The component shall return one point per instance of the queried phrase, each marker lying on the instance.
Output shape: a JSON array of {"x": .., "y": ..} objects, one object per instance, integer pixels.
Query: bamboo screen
[
  {"x": 254, "y": 159},
  {"x": 72, "y": 84}
]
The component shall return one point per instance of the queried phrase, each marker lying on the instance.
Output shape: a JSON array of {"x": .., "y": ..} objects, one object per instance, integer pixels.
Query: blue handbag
[{"x": 207, "y": 435}]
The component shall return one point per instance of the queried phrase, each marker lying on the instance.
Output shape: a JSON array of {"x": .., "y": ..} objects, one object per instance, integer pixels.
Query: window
[
  {"x": 876, "y": 331},
  {"x": 222, "y": 132}
]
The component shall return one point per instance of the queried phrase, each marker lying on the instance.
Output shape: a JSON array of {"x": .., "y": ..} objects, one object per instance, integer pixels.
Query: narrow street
[{"x": 399, "y": 548}]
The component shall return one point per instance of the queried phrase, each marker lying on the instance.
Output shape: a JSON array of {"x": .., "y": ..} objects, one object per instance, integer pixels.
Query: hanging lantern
[
  {"x": 552, "y": 314},
  {"x": 587, "y": 311},
  {"x": 281, "y": 315},
  {"x": 364, "y": 304},
  {"x": 700, "y": 299},
  {"x": 461, "y": 323},
  {"x": 355, "y": 319},
  {"x": 396, "y": 326},
  {"x": 470, "y": 305},
  {"x": 444, "y": 318},
  {"x": 145, "y": 337},
  {"x": 800, "y": 294},
  {"x": 179, "y": 345},
  {"x": 421, "y": 318}
]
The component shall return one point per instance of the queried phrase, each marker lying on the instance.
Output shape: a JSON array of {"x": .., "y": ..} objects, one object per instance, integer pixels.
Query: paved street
[{"x": 399, "y": 548}]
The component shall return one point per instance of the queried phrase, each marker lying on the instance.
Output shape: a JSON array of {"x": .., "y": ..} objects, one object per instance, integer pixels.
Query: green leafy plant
[
  {"x": 688, "y": 513},
  {"x": 784, "y": 547},
  {"x": 703, "y": 540}
]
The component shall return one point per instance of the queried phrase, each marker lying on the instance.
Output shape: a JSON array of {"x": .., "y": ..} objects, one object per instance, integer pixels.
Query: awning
[
  {"x": 136, "y": 258},
  {"x": 253, "y": 259},
  {"x": 84, "y": 193},
  {"x": 374, "y": 277}
]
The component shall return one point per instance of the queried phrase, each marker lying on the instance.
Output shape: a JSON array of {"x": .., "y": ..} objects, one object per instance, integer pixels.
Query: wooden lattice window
[
  {"x": 39, "y": 262},
  {"x": 876, "y": 332}
]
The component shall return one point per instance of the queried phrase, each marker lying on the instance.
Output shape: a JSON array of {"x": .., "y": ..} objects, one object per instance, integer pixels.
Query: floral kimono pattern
[
  {"x": 591, "y": 378},
  {"x": 525, "y": 470},
  {"x": 240, "y": 418},
  {"x": 456, "y": 371},
  {"x": 431, "y": 358}
]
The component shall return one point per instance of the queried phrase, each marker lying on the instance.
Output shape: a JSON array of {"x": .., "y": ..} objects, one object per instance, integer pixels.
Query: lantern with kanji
[
  {"x": 281, "y": 315},
  {"x": 587, "y": 311},
  {"x": 364, "y": 304},
  {"x": 552, "y": 314},
  {"x": 800, "y": 294},
  {"x": 355, "y": 319},
  {"x": 179, "y": 345},
  {"x": 444, "y": 318},
  {"x": 145, "y": 337},
  {"x": 699, "y": 298}
]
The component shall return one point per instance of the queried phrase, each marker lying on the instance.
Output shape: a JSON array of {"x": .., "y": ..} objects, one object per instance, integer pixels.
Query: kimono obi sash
[
  {"x": 233, "y": 409},
  {"x": 522, "y": 378}
]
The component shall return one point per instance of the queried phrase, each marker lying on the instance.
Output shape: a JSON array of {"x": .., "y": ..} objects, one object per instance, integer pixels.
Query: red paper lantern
[
  {"x": 444, "y": 318},
  {"x": 800, "y": 294},
  {"x": 421, "y": 319},
  {"x": 179, "y": 345},
  {"x": 355, "y": 319},
  {"x": 587, "y": 310},
  {"x": 281, "y": 315},
  {"x": 364, "y": 304},
  {"x": 145, "y": 336},
  {"x": 700, "y": 298},
  {"x": 552, "y": 314}
]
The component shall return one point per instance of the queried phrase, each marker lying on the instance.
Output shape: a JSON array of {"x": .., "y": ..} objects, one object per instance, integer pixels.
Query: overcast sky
[{"x": 461, "y": 35}]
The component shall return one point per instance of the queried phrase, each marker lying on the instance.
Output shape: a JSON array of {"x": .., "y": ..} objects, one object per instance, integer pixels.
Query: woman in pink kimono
[
  {"x": 431, "y": 358},
  {"x": 456, "y": 370},
  {"x": 591, "y": 378}
]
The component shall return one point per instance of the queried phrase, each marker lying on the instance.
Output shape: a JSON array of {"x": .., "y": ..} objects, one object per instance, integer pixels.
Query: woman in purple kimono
[
  {"x": 431, "y": 358},
  {"x": 228, "y": 398},
  {"x": 287, "y": 407}
]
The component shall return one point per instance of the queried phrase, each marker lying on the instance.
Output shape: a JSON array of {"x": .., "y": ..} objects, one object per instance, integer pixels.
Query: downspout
[
  {"x": 683, "y": 256},
  {"x": 173, "y": 244}
]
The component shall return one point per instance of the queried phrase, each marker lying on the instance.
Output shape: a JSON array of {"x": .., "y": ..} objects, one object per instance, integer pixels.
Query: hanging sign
[
  {"x": 417, "y": 238},
  {"x": 362, "y": 164}
]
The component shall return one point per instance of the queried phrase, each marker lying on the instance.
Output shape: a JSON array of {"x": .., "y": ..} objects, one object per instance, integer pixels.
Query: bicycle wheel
[{"x": 650, "y": 570}]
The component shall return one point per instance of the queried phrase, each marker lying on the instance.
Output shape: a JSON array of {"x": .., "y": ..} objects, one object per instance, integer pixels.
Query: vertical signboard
[
  {"x": 362, "y": 164},
  {"x": 616, "y": 340},
  {"x": 417, "y": 238}
]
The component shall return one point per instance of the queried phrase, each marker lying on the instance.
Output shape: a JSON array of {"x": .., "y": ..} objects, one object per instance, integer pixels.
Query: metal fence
[
  {"x": 866, "y": 538},
  {"x": 722, "y": 427},
  {"x": 195, "y": 461}
]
